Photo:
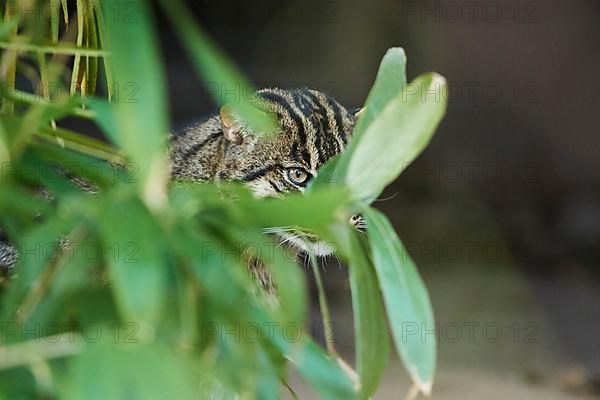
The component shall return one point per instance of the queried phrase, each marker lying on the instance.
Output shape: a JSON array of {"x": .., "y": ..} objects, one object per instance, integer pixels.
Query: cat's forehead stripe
[{"x": 333, "y": 113}]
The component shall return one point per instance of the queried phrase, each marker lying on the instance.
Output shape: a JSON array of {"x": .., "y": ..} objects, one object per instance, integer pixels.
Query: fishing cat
[{"x": 311, "y": 128}]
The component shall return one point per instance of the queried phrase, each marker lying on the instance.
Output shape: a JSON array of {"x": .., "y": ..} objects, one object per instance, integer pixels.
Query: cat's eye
[{"x": 298, "y": 176}]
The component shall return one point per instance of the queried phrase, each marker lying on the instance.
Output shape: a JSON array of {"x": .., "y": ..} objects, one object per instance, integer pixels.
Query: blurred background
[{"x": 501, "y": 212}]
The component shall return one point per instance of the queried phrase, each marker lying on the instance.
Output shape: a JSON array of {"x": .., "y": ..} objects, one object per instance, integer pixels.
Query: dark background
[{"x": 502, "y": 211}]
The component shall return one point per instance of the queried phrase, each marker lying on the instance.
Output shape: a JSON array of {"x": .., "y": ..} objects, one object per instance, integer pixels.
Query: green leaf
[
  {"x": 396, "y": 137},
  {"x": 8, "y": 27},
  {"x": 96, "y": 9},
  {"x": 218, "y": 70},
  {"x": 133, "y": 246},
  {"x": 54, "y": 19},
  {"x": 319, "y": 370},
  {"x": 372, "y": 341},
  {"x": 140, "y": 108},
  {"x": 130, "y": 372},
  {"x": 406, "y": 301},
  {"x": 314, "y": 211},
  {"x": 39, "y": 257},
  {"x": 92, "y": 42},
  {"x": 4, "y": 149},
  {"x": 390, "y": 81}
]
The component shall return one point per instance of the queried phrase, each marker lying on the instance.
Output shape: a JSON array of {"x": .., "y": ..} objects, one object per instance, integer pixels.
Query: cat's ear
[{"x": 232, "y": 129}]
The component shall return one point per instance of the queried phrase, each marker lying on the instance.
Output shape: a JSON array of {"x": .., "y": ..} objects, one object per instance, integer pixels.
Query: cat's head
[{"x": 311, "y": 128}]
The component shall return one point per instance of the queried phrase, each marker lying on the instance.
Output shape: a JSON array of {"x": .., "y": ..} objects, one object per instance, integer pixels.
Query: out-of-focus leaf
[
  {"x": 4, "y": 149},
  {"x": 282, "y": 268},
  {"x": 219, "y": 72},
  {"x": 93, "y": 170},
  {"x": 314, "y": 212},
  {"x": 318, "y": 369},
  {"x": 136, "y": 371},
  {"x": 9, "y": 58},
  {"x": 396, "y": 137},
  {"x": 140, "y": 110},
  {"x": 54, "y": 19},
  {"x": 7, "y": 27},
  {"x": 92, "y": 42},
  {"x": 39, "y": 254},
  {"x": 267, "y": 385},
  {"x": 406, "y": 301},
  {"x": 17, "y": 384},
  {"x": 65, "y": 9},
  {"x": 96, "y": 9},
  {"x": 372, "y": 341},
  {"x": 75, "y": 288},
  {"x": 72, "y": 141},
  {"x": 79, "y": 42},
  {"x": 136, "y": 258}
]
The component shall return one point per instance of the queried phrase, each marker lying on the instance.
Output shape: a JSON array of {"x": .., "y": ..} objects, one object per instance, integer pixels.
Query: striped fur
[{"x": 312, "y": 128}]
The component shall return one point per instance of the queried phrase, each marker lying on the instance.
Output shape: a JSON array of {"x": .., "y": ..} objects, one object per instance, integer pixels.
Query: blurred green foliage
[{"x": 151, "y": 297}]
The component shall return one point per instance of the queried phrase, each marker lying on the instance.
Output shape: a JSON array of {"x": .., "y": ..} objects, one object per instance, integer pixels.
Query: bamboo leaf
[
  {"x": 372, "y": 341},
  {"x": 54, "y": 19},
  {"x": 59, "y": 48},
  {"x": 389, "y": 83},
  {"x": 8, "y": 27},
  {"x": 217, "y": 69},
  {"x": 40, "y": 253},
  {"x": 102, "y": 38},
  {"x": 9, "y": 58},
  {"x": 397, "y": 136},
  {"x": 4, "y": 147},
  {"x": 122, "y": 372},
  {"x": 43, "y": 75},
  {"x": 406, "y": 301},
  {"x": 65, "y": 13},
  {"x": 92, "y": 42},
  {"x": 319, "y": 370},
  {"x": 136, "y": 260},
  {"x": 79, "y": 42},
  {"x": 140, "y": 111}
]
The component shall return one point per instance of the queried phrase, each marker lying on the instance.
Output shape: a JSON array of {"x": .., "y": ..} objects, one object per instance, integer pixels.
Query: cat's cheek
[{"x": 260, "y": 189}]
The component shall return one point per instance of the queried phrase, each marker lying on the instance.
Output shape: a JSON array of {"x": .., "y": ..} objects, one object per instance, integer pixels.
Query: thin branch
[
  {"x": 55, "y": 49},
  {"x": 30, "y": 98},
  {"x": 39, "y": 287},
  {"x": 19, "y": 354},
  {"x": 327, "y": 325}
]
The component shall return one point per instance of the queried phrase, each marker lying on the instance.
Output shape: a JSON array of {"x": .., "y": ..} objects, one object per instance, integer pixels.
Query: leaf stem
[
  {"x": 19, "y": 354},
  {"x": 56, "y": 49},
  {"x": 327, "y": 324},
  {"x": 39, "y": 288},
  {"x": 33, "y": 99}
]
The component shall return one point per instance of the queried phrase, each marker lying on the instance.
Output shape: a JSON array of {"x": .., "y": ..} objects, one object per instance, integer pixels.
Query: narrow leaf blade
[
  {"x": 396, "y": 137},
  {"x": 139, "y": 109},
  {"x": 406, "y": 301},
  {"x": 372, "y": 342}
]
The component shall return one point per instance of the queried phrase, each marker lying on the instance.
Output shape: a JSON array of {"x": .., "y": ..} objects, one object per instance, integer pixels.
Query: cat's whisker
[
  {"x": 338, "y": 260},
  {"x": 387, "y": 198},
  {"x": 278, "y": 229},
  {"x": 288, "y": 239},
  {"x": 305, "y": 260}
]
